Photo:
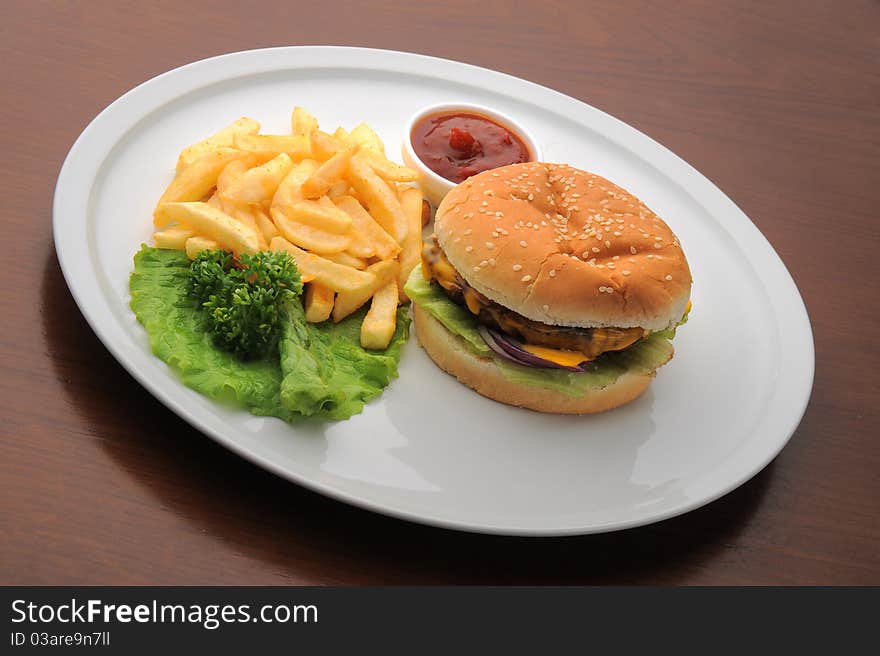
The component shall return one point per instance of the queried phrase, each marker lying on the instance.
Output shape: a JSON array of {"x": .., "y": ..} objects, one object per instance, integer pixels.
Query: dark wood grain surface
[{"x": 777, "y": 103}]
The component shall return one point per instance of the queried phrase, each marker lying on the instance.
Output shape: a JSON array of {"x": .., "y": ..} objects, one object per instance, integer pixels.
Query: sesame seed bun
[
  {"x": 564, "y": 247},
  {"x": 484, "y": 376}
]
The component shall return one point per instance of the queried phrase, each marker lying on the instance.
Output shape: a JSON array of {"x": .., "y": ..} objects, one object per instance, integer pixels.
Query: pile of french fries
[{"x": 349, "y": 217}]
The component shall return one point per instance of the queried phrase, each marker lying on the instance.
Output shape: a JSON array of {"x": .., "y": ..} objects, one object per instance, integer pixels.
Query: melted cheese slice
[{"x": 559, "y": 356}]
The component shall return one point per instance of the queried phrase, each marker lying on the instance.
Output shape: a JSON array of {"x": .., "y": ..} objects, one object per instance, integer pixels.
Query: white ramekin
[{"x": 436, "y": 186}]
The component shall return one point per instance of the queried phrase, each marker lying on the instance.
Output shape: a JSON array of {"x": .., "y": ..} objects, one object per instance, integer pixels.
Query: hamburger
[{"x": 550, "y": 288}]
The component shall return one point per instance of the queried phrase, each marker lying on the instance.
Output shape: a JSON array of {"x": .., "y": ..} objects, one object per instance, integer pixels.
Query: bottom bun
[{"x": 484, "y": 376}]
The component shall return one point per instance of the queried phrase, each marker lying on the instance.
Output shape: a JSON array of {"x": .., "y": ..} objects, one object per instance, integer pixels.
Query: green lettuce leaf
[
  {"x": 325, "y": 358},
  {"x": 645, "y": 356},
  {"x": 327, "y": 373}
]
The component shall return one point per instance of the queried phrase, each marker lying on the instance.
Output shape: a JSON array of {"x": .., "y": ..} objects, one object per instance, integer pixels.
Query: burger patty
[{"x": 592, "y": 342}]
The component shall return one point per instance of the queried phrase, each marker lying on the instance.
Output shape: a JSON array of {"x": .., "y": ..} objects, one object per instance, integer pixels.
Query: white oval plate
[{"x": 431, "y": 450}]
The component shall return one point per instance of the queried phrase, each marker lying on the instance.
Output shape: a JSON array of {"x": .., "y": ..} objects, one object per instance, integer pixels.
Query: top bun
[{"x": 564, "y": 247}]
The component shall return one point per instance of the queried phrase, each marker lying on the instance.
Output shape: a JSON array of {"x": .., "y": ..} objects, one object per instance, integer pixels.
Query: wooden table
[{"x": 777, "y": 103}]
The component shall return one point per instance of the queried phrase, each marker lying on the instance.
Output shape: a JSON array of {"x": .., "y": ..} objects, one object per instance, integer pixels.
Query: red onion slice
[{"x": 510, "y": 349}]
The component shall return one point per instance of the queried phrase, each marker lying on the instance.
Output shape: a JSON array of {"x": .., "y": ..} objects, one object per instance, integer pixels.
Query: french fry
[
  {"x": 223, "y": 138},
  {"x": 368, "y": 238},
  {"x": 337, "y": 277},
  {"x": 173, "y": 238},
  {"x": 343, "y": 137},
  {"x": 302, "y": 122},
  {"x": 215, "y": 201},
  {"x": 339, "y": 188},
  {"x": 325, "y": 146},
  {"x": 259, "y": 184},
  {"x": 265, "y": 224},
  {"x": 318, "y": 215},
  {"x": 211, "y": 223},
  {"x": 196, "y": 180},
  {"x": 245, "y": 212},
  {"x": 381, "y": 200},
  {"x": 328, "y": 173},
  {"x": 364, "y": 135},
  {"x": 232, "y": 171},
  {"x": 308, "y": 236},
  {"x": 386, "y": 169},
  {"x": 197, "y": 244},
  {"x": 318, "y": 302},
  {"x": 347, "y": 301},
  {"x": 381, "y": 320},
  {"x": 290, "y": 189},
  {"x": 297, "y": 146},
  {"x": 410, "y": 252},
  {"x": 347, "y": 259}
]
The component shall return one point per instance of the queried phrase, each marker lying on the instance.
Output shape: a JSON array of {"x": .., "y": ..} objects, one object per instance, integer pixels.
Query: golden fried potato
[
  {"x": 381, "y": 320},
  {"x": 329, "y": 173},
  {"x": 337, "y": 277},
  {"x": 210, "y": 222},
  {"x": 197, "y": 180},
  {"x": 318, "y": 302},
  {"x": 259, "y": 184},
  {"x": 386, "y": 169},
  {"x": 411, "y": 249},
  {"x": 289, "y": 191},
  {"x": 380, "y": 199},
  {"x": 325, "y": 146},
  {"x": 302, "y": 122},
  {"x": 225, "y": 138},
  {"x": 197, "y": 244},
  {"x": 173, "y": 238},
  {"x": 308, "y": 236},
  {"x": 367, "y": 138},
  {"x": 348, "y": 301},
  {"x": 319, "y": 215},
  {"x": 368, "y": 238},
  {"x": 297, "y": 146}
]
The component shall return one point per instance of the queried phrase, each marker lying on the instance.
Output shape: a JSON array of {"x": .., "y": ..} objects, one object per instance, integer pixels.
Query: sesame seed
[
  {"x": 523, "y": 243},
  {"x": 657, "y": 245},
  {"x": 626, "y": 272},
  {"x": 490, "y": 245},
  {"x": 607, "y": 244},
  {"x": 484, "y": 263},
  {"x": 476, "y": 268},
  {"x": 595, "y": 249},
  {"x": 633, "y": 250},
  {"x": 468, "y": 249},
  {"x": 668, "y": 277},
  {"x": 517, "y": 267},
  {"x": 526, "y": 278},
  {"x": 468, "y": 231},
  {"x": 491, "y": 261},
  {"x": 602, "y": 289},
  {"x": 546, "y": 307},
  {"x": 552, "y": 273}
]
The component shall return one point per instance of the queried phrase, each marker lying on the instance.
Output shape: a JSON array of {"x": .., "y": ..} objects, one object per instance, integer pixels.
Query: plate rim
[{"x": 354, "y": 57}]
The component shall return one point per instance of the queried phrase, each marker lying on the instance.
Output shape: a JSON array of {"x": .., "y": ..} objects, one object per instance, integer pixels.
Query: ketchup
[{"x": 457, "y": 146}]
